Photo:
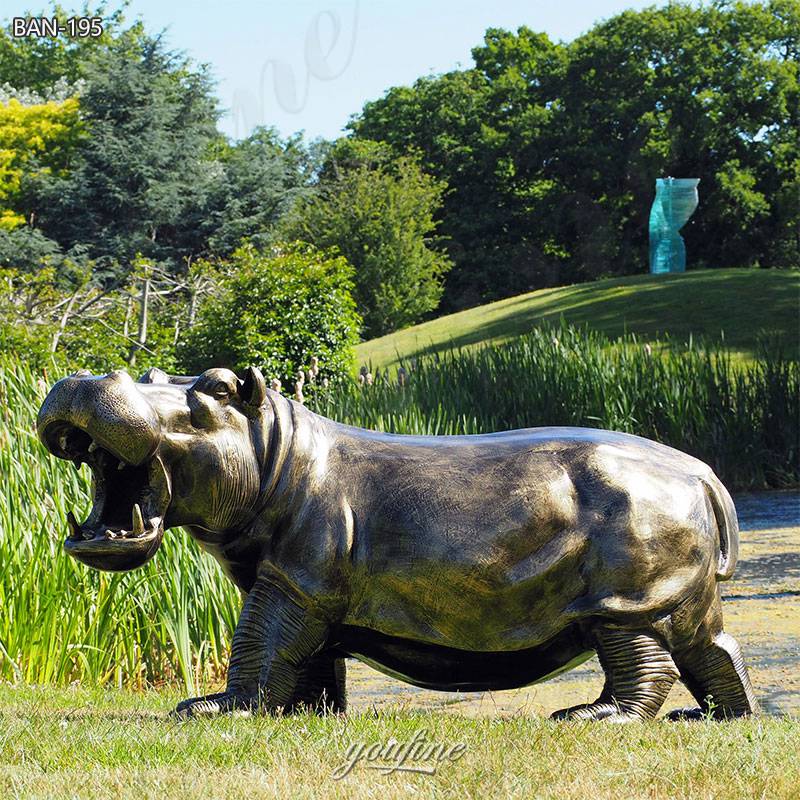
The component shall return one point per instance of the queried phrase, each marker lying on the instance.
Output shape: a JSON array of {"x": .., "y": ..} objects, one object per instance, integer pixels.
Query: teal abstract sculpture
[{"x": 676, "y": 200}]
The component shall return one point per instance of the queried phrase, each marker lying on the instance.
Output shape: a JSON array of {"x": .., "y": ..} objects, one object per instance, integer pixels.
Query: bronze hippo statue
[{"x": 456, "y": 563}]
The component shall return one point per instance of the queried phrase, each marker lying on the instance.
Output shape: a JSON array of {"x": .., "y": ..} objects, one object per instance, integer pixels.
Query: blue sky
[{"x": 310, "y": 64}]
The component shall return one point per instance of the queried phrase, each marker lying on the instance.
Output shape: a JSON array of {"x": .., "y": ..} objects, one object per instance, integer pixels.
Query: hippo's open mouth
[{"x": 126, "y": 524}]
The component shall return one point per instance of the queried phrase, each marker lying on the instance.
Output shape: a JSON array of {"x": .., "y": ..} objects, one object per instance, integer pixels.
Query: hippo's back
[{"x": 523, "y": 439}]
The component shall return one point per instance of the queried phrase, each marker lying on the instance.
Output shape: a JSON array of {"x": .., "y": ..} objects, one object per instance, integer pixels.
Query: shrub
[{"x": 276, "y": 309}]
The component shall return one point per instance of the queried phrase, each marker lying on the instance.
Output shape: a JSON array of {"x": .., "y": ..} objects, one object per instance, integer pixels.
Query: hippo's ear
[{"x": 253, "y": 388}]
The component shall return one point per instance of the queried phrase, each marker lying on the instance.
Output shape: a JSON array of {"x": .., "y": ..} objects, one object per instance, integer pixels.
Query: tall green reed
[
  {"x": 743, "y": 418},
  {"x": 173, "y": 619}
]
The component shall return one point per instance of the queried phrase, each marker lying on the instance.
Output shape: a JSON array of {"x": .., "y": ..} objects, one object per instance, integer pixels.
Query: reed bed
[
  {"x": 741, "y": 417},
  {"x": 172, "y": 620},
  {"x": 60, "y": 621}
]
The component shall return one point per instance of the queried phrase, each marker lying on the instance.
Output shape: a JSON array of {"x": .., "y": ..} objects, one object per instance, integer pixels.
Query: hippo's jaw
[{"x": 126, "y": 524}]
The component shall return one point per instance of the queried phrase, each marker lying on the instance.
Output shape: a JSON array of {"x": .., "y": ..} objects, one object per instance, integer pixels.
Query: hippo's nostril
[{"x": 109, "y": 410}]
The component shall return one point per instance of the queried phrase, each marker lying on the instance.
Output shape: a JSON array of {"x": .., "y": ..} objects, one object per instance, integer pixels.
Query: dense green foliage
[
  {"x": 551, "y": 150},
  {"x": 115, "y": 185},
  {"x": 533, "y": 168},
  {"x": 40, "y": 63},
  {"x": 277, "y": 310},
  {"x": 380, "y": 214},
  {"x": 252, "y": 185},
  {"x": 135, "y": 176},
  {"x": 35, "y": 141},
  {"x": 150, "y": 175}
]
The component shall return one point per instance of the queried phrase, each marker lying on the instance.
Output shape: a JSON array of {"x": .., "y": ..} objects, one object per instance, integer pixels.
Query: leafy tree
[
  {"x": 551, "y": 150},
  {"x": 252, "y": 185},
  {"x": 443, "y": 122},
  {"x": 27, "y": 249},
  {"x": 276, "y": 309},
  {"x": 35, "y": 140},
  {"x": 379, "y": 213},
  {"x": 708, "y": 92},
  {"x": 149, "y": 118},
  {"x": 39, "y": 64}
]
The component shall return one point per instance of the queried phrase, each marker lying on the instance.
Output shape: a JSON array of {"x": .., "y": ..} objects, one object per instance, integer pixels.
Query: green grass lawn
[
  {"x": 116, "y": 744},
  {"x": 702, "y": 303},
  {"x": 87, "y": 742}
]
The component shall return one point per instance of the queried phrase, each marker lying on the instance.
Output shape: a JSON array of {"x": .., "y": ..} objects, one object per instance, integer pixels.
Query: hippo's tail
[{"x": 727, "y": 527}]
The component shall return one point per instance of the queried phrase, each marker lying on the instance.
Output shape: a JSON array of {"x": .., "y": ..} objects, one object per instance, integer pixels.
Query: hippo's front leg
[{"x": 273, "y": 641}]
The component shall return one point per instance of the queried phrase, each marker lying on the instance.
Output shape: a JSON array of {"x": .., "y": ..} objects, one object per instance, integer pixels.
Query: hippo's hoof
[
  {"x": 697, "y": 713},
  {"x": 608, "y": 712},
  {"x": 212, "y": 705},
  {"x": 679, "y": 714}
]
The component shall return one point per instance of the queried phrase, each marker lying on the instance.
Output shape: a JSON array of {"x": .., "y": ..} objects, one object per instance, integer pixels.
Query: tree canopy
[
  {"x": 36, "y": 139},
  {"x": 535, "y": 167},
  {"x": 551, "y": 150},
  {"x": 379, "y": 212},
  {"x": 149, "y": 119}
]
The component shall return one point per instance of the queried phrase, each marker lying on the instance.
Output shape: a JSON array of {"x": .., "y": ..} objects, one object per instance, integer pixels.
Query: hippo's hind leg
[
  {"x": 639, "y": 675},
  {"x": 321, "y": 686},
  {"x": 714, "y": 672}
]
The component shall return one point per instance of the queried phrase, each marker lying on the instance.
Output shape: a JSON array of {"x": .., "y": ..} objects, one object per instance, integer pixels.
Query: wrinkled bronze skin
[{"x": 454, "y": 563}]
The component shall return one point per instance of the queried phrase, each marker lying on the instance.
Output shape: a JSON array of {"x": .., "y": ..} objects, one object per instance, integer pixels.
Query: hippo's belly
[
  {"x": 450, "y": 669},
  {"x": 490, "y": 599}
]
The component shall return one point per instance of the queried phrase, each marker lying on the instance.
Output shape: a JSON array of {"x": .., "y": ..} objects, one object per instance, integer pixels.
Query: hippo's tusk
[
  {"x": 138, "y": 522},
  {"x": 93, "y": 446}
]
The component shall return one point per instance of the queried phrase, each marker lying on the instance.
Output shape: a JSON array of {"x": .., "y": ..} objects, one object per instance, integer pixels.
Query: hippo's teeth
[
  {"x": 138, "y": 522},
  {"x": 74, "y": 528},
  {"x": 121, "y": 466},
  {"x": 93, "y": 446}
]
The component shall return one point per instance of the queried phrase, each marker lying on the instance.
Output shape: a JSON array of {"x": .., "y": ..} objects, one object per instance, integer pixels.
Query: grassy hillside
[{"x": 739, "y": 302}]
